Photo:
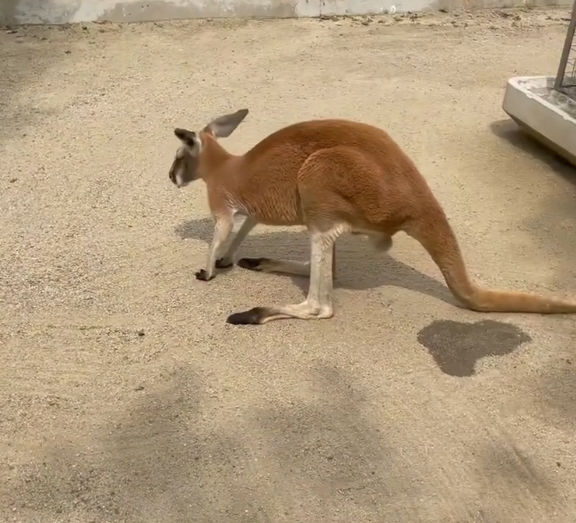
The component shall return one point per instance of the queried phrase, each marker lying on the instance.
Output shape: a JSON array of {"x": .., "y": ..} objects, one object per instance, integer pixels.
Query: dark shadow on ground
[
  {"x": 26, "y": 54},
  {"x": 508, "y": 130},
  {"x": 359, "y": 267},
  {"x": 333, "y": 454},
  {"x": 511, "y": 485},
  {"x": 162, "y": 459},
  {"x": 457, "y": 346},
  {"x": 553, "y": 222}
]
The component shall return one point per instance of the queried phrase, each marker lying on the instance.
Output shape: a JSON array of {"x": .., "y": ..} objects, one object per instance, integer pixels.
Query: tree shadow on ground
[
  {"x": 359, "y": 267},
  {"x": 168, "y": 456},
  {"x": 556, "y": 399},
  {"x": 174, "y": 454},
  {"x": 511, "y": 485},
  {"x": 26, "y": 54}
]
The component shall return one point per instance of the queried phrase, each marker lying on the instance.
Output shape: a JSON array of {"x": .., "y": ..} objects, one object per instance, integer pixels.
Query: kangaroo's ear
[
  {"x": 188, "y": 138},
  {"x": 224, "y": 126}
]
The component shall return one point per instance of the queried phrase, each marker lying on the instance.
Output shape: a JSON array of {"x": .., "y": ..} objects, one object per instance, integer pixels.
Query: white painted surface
[{"x": 527, "y": 99}]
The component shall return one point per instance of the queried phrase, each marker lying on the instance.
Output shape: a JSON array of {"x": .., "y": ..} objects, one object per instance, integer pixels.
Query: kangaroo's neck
[{"x": 213, "y": 155}]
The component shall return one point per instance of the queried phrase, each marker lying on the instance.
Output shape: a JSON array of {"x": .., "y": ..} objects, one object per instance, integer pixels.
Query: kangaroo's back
[
  {"x": 267, "y": 187},
  {"x": 296, "y": 142}
]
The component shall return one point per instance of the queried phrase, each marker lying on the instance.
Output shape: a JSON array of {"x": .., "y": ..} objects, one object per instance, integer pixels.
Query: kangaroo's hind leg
[
  {"x": 296, "y": 268},
  {"x": 318, "y": 303}
]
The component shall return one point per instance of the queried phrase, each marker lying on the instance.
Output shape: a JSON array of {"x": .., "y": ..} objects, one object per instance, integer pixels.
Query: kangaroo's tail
[{"x": 437, "y": 237}]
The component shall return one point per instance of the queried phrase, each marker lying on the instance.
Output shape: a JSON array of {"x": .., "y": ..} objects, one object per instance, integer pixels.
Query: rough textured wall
[
  {"x": 62, "y": 11},
  {"x": 70, "y": 11}
]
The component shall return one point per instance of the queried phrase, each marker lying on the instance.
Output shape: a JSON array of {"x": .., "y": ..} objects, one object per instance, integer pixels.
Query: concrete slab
[
  {"x": 124, "y": 398},
  {"x": 549, "y": 116}
]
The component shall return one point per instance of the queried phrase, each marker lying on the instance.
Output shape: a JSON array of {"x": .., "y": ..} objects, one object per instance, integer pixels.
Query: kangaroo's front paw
[
  {"x": 224, "y": 263},
  {"x": 202, "y": 275}
]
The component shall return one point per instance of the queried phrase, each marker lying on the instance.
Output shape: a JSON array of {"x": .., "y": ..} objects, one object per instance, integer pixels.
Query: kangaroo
[{"x": 333, "y": 176}]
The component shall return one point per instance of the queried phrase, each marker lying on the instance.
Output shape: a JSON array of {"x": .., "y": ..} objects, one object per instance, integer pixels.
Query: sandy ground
[{"x": 124, "y": 397}]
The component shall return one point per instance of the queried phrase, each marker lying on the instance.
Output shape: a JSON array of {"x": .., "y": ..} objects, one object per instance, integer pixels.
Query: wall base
[{"x": 15, "y": 12}]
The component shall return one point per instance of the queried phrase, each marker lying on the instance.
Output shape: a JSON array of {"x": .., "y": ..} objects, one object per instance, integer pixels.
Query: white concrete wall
[{"x": 71, "y": 11}]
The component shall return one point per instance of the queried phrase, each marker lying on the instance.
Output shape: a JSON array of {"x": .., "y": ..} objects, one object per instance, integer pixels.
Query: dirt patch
[{"x": 124, "y": 397}]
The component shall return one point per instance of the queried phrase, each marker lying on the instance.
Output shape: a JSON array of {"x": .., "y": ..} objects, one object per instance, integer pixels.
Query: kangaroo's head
[{"x": 199, "y": 151}]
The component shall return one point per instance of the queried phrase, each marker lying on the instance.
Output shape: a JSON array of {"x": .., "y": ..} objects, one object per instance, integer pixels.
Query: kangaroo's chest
[{"x": 273, "y": 203}]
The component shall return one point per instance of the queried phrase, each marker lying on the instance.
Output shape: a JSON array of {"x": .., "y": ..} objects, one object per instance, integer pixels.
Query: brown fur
[{"x": 332, "y": 176}]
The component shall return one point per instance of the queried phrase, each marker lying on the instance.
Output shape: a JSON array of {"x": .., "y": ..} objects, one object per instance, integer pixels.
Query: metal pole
[{"x": 566, "y": 50}]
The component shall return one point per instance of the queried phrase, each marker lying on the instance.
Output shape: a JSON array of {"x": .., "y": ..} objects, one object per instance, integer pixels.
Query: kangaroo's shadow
[{"x": 358, "y": 266}]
